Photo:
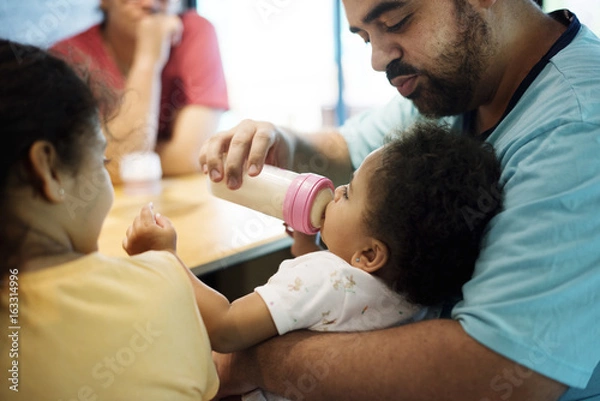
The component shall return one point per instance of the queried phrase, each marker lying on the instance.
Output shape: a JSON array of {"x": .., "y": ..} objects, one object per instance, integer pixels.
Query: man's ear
[
  {"x": 44, "y": 170},
  {"x": 371, "y": 258}
]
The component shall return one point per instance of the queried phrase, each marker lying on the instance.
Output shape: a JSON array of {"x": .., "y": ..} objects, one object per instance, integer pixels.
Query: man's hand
[
  {"x": 150, "y": 231},
  {"x": 245, "y": 147}
]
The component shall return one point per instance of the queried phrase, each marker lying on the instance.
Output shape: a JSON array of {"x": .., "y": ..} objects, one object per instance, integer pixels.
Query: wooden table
[{"x": 211, "y": 233}]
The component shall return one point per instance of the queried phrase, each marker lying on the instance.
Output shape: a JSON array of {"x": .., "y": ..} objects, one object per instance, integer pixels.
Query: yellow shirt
[{"x": 101, "y": 328}]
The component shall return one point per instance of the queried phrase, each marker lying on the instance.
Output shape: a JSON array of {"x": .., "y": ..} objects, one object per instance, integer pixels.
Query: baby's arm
[{"x": 231, "y": 326}]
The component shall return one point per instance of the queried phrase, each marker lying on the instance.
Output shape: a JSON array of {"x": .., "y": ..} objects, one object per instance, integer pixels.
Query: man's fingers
[
  {"x": 237, "y": 153},
  {"x": 228, "y": 154},
  {"x": 261, "y": 143},
  {"x": 211, "y": 154}
]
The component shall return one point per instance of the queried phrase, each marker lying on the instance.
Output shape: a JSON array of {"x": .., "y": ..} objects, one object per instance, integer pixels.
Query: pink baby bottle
[{"x": 297, "y": 199}]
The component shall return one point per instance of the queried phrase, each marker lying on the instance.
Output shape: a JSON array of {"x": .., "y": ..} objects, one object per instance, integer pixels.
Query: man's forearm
[
  {"x": 324, "y": 153},
  {"x": 432, "y": 360}
]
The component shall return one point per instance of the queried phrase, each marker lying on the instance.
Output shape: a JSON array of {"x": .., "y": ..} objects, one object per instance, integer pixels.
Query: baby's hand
[
  {"x": 150, "y": 232},
  {"x": 303, "y": 243}
]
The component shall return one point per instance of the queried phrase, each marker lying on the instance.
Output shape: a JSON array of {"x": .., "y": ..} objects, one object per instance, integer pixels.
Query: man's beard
[{"x": 448, "y": 88}]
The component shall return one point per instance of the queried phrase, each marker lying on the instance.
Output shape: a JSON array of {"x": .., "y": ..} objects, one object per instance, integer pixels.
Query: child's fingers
[
  {"x": 147, "y": 213},
  {"x": 163, "y": 221},
  {"x": 129, "y": 230}
]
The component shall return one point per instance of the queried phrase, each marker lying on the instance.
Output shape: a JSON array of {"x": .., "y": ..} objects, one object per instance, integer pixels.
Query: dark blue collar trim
[{"x": 573, "y": 26}]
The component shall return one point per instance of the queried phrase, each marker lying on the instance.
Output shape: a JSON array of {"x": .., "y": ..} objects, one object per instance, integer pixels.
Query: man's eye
[{"x": 399, "y": 25}]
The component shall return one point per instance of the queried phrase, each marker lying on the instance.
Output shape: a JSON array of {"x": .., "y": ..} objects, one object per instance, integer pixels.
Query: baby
[{"x": 402, "y": 236}]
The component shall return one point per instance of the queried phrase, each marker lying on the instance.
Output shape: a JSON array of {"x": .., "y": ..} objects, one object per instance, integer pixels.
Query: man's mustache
[{"x": 397, "y": 68}]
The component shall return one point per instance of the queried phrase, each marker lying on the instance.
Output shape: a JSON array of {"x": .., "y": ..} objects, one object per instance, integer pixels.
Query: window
[
  {"x": 279, "y": 60},
  {"x": 278, "y": 57}
]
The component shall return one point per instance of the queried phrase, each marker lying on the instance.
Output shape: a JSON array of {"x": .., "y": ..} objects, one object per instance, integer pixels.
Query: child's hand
[
  {"x": 303, "y": 243},
  {"x": 150, "y": 232}
]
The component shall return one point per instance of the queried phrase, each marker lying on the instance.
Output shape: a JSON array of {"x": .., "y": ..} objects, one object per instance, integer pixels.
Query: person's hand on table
[
  {"x": 247, "y": 146},
  {"x": 150, "y": 231}
]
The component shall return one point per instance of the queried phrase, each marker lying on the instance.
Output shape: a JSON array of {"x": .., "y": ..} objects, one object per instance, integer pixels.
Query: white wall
[{"x": 588, "y": 11}]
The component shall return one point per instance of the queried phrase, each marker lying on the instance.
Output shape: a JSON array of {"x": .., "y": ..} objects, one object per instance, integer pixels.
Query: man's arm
[
  {"x": 192, "y": 126},
  {"x": 324, "y": 153},
  {"x": 430, "y": 360},
  {"x": 251, "y": 144}
]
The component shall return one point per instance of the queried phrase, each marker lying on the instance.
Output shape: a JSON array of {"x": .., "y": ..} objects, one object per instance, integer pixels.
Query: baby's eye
[{"x": 345, "y": 191}]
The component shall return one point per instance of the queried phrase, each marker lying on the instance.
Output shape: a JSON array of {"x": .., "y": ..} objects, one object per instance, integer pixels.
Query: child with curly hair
[{"x": 401, "y": 237}]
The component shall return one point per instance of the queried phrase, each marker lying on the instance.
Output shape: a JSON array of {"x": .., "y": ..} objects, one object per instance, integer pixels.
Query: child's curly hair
[{"x": 437, "y": 192}]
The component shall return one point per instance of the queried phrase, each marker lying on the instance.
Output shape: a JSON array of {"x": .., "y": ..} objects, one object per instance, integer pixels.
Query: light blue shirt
[{"x": 535, "y": 293}]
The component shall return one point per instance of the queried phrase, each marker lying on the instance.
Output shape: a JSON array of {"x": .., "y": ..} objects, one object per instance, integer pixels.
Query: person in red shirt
[{"x": 167, "y": 70}]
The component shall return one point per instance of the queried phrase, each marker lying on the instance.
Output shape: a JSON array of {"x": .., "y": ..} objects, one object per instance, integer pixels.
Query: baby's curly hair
[{"x": 435, "y": 193}]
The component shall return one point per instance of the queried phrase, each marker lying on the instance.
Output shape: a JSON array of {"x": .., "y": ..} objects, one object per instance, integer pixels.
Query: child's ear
[
  {"x": 44, "y": 161},
  {"x": 372, "y": 258}
]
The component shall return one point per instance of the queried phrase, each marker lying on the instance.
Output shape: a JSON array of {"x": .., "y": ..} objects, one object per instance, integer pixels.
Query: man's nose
[{"x": 383, "y": 51}]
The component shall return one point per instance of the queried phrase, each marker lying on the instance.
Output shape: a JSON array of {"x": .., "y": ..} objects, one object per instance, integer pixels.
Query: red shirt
[{"x": 193, "y": 75}]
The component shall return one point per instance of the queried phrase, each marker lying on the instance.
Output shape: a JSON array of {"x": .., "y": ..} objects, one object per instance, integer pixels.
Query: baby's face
[{"x": 344, "y": 230}]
